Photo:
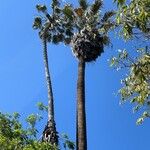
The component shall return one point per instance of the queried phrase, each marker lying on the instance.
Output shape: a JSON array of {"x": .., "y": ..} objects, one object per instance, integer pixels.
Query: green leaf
[
  {"x": 31, "y": 119},
  {"x": 16, "y": 115},
  {"x": 42, "y": 107},
  {"x": 139, "y": 121},
  {"x": 113, "y": 61}
]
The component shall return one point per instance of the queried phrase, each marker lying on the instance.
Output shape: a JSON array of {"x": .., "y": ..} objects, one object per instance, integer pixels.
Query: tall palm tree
[
  {"x": 83, "y": 28},
  {"x": 50, "y": 133},
  {"x": 88, "y": 41},
  {"x": 48, "y": 26}
]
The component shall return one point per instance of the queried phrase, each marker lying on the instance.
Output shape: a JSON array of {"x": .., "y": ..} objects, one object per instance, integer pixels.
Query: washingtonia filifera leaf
[
  {"x": 37, "y": 23},
  {"x": 79, "y": 12},
  {"x": 68, "y": 11},
  {"x": 108, "y": 15},
  {"x": 41, "y": 8},
  {"x": 83, "y": 4},
  {"x": 96, "y": 6}
]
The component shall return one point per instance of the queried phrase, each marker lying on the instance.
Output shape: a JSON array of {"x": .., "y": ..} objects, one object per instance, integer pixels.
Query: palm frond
[
  {"x": 41, "y": 8},
  {"x": 79, "y": 11},
  {"x": 55, "y": 3},
  {"x": 68, "y": 11},
  {"x": 120, "y": 2},
  {"x": 106, "y": 40},
  {"x": 83, "y": 4},
  {"x": 107, "y": 26},
  {"x": 96, "y": 6},
  {"x": 107, "y": 16},
  {"x": 56, "y": 6},
  {"x": 37, "y": 23},
  {"x": 67, "y": 41},
  {"x": 55, "y": 39}
]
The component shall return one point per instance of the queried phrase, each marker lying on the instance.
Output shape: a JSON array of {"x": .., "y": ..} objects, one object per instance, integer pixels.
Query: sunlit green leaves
[
  {"x": 42, "y": 107},
  {"x": 134, "y": 19},
  {"x": 136, "y": 85},
  {"x": 134, "y": 15},
  {"x": 31, "y": 119},
  {"x": 141, "y": 119},
  {"x": 14, "y": 137}
]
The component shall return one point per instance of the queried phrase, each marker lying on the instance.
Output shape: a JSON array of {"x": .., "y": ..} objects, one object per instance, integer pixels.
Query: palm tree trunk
[
  {"x": 49, "y": 133},
  {"x": 81, "y": 140},
  {"x": 49, "y": 84}
]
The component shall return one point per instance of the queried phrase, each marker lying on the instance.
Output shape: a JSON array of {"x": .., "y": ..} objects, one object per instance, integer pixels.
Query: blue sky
[{"x": 22, "y": 83}]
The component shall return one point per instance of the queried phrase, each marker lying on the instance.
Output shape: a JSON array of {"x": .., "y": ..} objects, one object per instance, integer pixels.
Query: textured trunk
[
  {"x": 49, "y": 133},
  {"x": 81, "y": 140},
  {"x": 49, "y": 84}
]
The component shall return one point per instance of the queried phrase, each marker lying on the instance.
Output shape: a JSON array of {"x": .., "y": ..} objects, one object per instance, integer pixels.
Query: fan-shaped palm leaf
[{"x": 83, "y": 4}]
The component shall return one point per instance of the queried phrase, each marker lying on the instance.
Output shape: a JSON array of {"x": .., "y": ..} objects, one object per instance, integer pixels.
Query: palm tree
[
  {"x": 48, "y": 26},
  {"x": 49, "y": 133},
  {"x": 87, "y": 44},
  {"x": 87, "y": 34}
]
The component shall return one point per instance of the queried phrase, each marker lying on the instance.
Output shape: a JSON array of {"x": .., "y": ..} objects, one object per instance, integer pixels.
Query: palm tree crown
[
  {"x": 83, "y": 48},
  {"x": 90, "y": 29}
]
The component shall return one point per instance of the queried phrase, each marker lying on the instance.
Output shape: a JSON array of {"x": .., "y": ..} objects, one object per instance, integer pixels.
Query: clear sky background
[{"x": 22, "y": 82}]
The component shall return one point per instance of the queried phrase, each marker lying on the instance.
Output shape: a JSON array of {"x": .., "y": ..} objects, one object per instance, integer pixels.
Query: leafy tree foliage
[
  {"x": 14, "y": 136},
  {"x": 133, "y": 19},
  {"x": 136, "y": 85}
]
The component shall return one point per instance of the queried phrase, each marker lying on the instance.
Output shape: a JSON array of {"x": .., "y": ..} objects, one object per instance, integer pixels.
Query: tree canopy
[
  {"x": 133, "y": 19},
  {"x": 15, "y": 135}
]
